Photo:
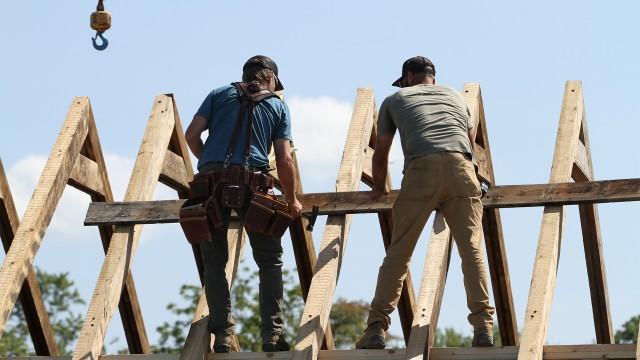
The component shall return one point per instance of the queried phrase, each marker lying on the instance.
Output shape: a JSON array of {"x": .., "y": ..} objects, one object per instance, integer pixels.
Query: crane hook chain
[{"x": 100, "y": 22}]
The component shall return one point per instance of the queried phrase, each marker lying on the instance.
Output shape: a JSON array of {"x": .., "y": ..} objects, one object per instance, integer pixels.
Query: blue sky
[{"x": 520, "y": 52}]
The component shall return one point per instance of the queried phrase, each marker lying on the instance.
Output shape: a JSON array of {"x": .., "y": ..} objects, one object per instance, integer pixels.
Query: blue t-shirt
[{"x": 271, "y": 121}]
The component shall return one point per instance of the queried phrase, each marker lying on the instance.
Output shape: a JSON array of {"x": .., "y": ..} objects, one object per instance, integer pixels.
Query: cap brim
[
  {"x": 279, "y": 85},
  {"x": 397, "y": 82}
]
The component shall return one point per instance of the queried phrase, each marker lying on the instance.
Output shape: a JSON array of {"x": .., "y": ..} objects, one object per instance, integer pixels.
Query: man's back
[
  {"x": 221, "y": 108},
  {"x": 430, "y": 119}
]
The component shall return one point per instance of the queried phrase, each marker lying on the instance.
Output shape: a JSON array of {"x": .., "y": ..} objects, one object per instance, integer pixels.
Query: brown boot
[
  {"x": 482, "y": 337},
  {"x": 373, "y": 337},
  {"x": 223, "y": 343},
  {"x": 275, "y": 343}
]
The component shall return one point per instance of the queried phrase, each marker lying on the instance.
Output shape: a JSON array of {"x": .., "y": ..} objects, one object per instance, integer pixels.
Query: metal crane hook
[{"x": 104, "y": 44}]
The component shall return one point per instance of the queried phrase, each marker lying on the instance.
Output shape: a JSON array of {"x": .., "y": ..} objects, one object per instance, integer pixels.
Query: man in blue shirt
[{"x": 218, "y": 115}]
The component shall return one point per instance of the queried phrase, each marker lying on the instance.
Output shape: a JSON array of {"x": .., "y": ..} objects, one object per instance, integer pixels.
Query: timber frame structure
[{"x": 76, "y": 159}]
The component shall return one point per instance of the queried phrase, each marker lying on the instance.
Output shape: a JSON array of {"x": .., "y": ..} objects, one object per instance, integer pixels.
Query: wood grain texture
[
  {"x": 129, "y": 306},
  {"x": 592, "y": 240},
  {"x": 359, "y": 202},
  {"x": 434, "y": 275},
  {"x": 553, "y": 220},
  {"x": 30, "y": 297},
  {"x": 491, "y": 222},
  {"x": 145, "y": 175},
  {"x": 28, "y": 237},
  {"x": 315, "y": 316}
]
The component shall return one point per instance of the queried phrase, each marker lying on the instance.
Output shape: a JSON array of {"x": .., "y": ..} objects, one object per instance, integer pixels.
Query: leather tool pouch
[
  {"x": 201, "y": 215},
  {"x": 233, "y": 196},
  {"x": 267, "y": 215}
]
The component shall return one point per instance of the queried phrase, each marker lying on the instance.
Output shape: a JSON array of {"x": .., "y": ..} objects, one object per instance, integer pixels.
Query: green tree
[
  {"x": 629, "y": 332},
  {"x": 172, "y": 336},
  {"x": 60, "y": 297},
  {"x": 348, "y": 320}
]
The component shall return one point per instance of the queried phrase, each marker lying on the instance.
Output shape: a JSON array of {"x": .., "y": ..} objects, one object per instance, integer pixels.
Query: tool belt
[{"x": 215, "y": 192}]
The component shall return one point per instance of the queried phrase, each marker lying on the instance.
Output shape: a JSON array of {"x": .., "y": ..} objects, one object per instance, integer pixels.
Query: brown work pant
[{"x": 446, "y": 181}]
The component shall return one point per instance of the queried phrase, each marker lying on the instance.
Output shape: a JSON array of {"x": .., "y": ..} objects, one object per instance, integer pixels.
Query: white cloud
[{"x": 320, "y": 128}]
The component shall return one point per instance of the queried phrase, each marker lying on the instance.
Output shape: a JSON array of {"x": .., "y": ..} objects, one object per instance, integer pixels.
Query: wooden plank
[
  {"x": 553, "y": 219},
  {"x": 551, "y": 352},
  {"x": 129, "y": 306},
  {"x": 302, "y": 241},
  {"x": 85, "y": 176},
  {"x": 57, "y": 170},
  {"x": 144, "y": 178},
  {"x": 30, "y": 297},
  {"x": 583, "y": 163},
  {"x": 198, "y": 341},
  {"x": 434, "y": 276},
  {"x": 359, "y": 202},
  {"x": 407, "y": 302},
  {"x": 492, "y": 224},
  {"x": 174, "y": 173},
  {"x": 592, "y": 240},
  {"x": 315, "y": 316}
]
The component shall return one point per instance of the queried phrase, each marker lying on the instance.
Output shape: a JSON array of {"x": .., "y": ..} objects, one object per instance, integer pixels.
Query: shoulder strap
[{"x": 249, "y": 97}]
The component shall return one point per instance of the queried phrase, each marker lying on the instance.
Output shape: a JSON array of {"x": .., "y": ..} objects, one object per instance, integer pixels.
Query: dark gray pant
[{"x": 267, "y": 253}]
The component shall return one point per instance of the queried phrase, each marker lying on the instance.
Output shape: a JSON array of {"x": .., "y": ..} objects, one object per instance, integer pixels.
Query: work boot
[
  {"x": 482, "y": 337},
  {"x": 223, "y": 343},
  {"x": 373, "y": 337},
  {"x": 275, "y": 343}
]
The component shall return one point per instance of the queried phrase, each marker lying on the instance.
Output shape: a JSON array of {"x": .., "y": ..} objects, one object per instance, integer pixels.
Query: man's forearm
[
  {"x": 196, "y": 147},
  {"x": 287, "y": 177},
  {"x": 379, "y": 171}
]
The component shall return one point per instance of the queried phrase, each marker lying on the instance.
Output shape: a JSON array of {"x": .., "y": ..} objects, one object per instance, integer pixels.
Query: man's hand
[
  {"x": 295, "y": 208},
  {"x": 376, "y": 194}
]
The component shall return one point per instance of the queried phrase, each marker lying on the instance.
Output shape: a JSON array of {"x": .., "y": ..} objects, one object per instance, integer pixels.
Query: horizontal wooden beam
[
  {"x": 358, "y": 202},
  {"x": 551, "y": 352}
]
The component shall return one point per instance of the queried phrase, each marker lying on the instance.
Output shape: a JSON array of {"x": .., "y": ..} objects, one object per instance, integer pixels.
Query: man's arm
[
  {"x": 287, "y": 174},
  {"x": 381, "y": 164},
  {"x": 192, "y": 135}
]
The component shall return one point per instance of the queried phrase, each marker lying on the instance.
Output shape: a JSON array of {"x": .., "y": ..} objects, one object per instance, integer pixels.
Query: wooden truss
[{"x": 77, "y": 160}]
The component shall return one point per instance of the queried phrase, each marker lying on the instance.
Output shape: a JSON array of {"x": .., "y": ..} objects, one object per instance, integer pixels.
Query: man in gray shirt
[{"x": 437, "y": 136}]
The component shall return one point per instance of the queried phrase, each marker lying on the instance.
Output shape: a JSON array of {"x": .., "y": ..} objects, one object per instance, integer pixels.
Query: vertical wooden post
[
  {"x": 491, "y": 224},
  {"x": 160, "y": 158},
  {"x": 571, "y": 160},
  {"x": 30, "y": 297},
  {"x": 407, "y": 302},
  {"x": 434, "y": 275},
  {"x": 76, "y": 160},
  {"x": 316, "y": 311}
]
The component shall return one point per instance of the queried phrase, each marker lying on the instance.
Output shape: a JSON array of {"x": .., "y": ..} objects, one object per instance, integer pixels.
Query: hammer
[{"x": 311, "y": 217}]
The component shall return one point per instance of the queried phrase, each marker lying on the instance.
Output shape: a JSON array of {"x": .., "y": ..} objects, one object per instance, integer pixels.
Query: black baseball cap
[
  {"x": 416, "y": 64},
  {"x": 263, "y": 62}
]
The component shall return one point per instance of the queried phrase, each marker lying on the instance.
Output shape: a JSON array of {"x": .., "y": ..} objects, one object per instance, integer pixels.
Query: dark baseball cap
[
  {"x": 263, "y": 62},
  {"x": 417, "y": 64}
]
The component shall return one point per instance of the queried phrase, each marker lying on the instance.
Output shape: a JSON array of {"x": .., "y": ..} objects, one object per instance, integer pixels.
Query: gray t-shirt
[{"x": 430, "y": 118}]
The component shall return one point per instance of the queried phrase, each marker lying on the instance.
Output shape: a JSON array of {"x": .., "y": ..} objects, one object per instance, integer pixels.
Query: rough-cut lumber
[
  {"x": 28, "y": 237},
  {"x": 302, "y": 242},
  {"x": 174, "y": 172},
  {"x": 86, "y": 176},
  {"x": 30, "y": 297},
  {"x": 123, "y": 244},
  {"x": 198, "y": 341},
  {"x": 553, "y": 219},
  {"x": 592, "y": 240},
  {"x": 551, "y": 352},
  {"x": 491, "y": 223},
  {"x": 407, "y": 302},
  {"x": 360, "y": 202},
  {"x": 129, "y": 306},
  {"x": 434, "y": 275},
  {"x": 315, "y": 316}
]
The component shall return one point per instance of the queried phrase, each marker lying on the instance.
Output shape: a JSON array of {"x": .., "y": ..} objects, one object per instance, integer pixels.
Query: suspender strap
[{"x": 248, "y": 100}]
